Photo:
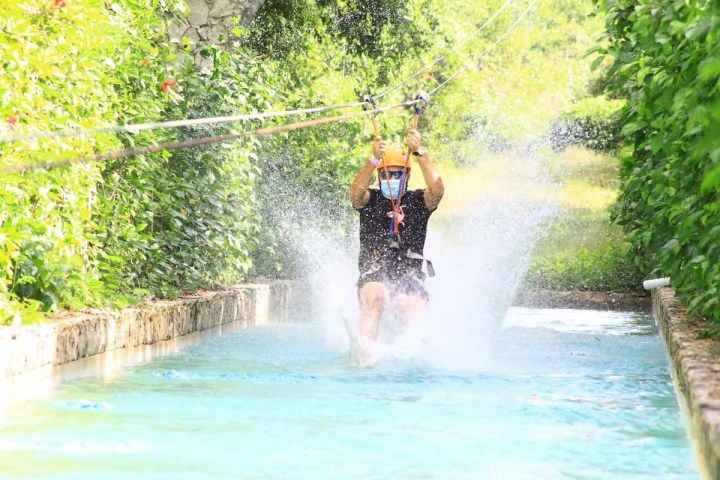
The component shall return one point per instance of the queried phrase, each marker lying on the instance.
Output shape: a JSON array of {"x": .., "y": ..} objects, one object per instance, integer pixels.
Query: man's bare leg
[
  {"x": 408, "y": 309},
  {"x": 373, "y": 298}
]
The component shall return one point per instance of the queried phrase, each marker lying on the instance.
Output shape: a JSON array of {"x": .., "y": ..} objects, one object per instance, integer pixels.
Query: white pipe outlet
[{"x": 656, "y": 283}]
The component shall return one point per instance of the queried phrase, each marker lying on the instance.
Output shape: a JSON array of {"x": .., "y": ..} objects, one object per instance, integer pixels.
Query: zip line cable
[
  {"x": 135, "y": 128},
  {"x": 129, "y": 152},
  {"x": 444, "y": 57},
  {"x": 487, "y": 50}
]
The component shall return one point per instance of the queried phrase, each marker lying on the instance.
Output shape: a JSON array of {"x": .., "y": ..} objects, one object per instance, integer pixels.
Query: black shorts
[{"x": 410, "y": 283}]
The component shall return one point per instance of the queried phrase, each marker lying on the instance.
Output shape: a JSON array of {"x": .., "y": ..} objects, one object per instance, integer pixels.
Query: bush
[
  {"x": 47, "y": 257},
  {"x": 153, "y": 224},
  {"x": 593, "y": 122},
  {"x": 608, "y": 268},
  {"x": 185, "y": 219},
  {"x": 666, "y": 63}
]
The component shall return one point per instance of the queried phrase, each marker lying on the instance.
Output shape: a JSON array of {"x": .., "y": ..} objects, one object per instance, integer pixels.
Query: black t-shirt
[{"x": 376, "y": 224}]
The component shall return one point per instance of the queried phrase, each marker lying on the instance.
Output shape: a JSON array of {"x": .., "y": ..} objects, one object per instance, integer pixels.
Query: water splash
[{"x": 480, "y": 246}]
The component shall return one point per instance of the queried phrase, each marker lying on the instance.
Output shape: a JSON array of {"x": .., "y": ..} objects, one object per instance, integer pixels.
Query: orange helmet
[{"x": 393, "y": 157}]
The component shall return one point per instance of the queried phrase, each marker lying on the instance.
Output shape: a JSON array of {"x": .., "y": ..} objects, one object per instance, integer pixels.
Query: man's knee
[
  {"x": 373, "y": 295},
  {"x": 410, "y": 303},
  {"x": 409, "y": 307}
]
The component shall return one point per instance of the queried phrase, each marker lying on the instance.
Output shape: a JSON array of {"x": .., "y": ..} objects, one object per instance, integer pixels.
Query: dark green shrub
[
  {"x": 609, "y": 268},
  {"x": 47, "y": 255},
  {"x": 666, "y": 63},
  {"x": 593, "y": 122},
  {"x": 186, "y": 219}
]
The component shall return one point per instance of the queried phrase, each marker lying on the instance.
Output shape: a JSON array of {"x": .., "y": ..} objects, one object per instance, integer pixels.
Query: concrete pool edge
[
  {"x": 583, "y": 300},
  {"x": 75, "y": 336},
  {"x": 696, "y": 365}
]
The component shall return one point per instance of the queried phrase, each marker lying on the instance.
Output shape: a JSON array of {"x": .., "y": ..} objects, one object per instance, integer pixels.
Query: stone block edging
[
  {"x": 608, "y": 301},
  {"x": 75, "y": 336},
  {"x": 696, "y": 370}
]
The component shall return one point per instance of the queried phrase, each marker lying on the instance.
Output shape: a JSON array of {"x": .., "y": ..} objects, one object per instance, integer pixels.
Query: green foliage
[
  {"x": 282, "y": 28},
  {"x": 367, "y": 38},
  {"x": 593, "y": 122},
  {"x": 518, "y": 89},
  {"x": 160, "y": 224},
  {"x": 143, "y": 225},
  {"x": 580, "y": 249},
  {"x": 186, "y": 220},
  {"x": 380, "y": 29},
  {"x": 373, "y": 28},
  {"x": 55, "y": 60},
  {"x": 303, "y": 188},
  {"x": 609, "y": 268},
  {"x": 666, "y": 63}
]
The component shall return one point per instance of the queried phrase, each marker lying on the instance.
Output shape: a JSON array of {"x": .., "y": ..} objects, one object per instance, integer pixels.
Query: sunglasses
[{"x": 385, "y": 174}]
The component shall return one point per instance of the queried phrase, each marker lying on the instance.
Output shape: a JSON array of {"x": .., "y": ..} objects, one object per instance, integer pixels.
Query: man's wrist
[
  {"x": 374, "y": 160},
  {"x": 419, "y": 152}
]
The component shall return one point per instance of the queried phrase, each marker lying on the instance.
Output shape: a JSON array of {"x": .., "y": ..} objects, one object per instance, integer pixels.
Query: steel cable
[
  {"x": 134, "y": 128},
  {"x": 256, "y": 116},
  {"x": 129, "y": 152},
  {"x": 444, "y": 57},
  {"x": 487, "y": 50}
]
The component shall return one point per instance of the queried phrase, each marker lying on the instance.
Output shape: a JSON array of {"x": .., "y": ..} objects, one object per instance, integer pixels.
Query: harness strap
[
  {"x": 428, "y": 263},
  {"x": 420, "y": 107},
  {"x": 423, "y": 99},
  {"x": 416, "y": 256}
]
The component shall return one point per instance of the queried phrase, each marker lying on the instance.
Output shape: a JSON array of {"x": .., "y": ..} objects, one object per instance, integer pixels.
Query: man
[{"x": 393, "y": 227}]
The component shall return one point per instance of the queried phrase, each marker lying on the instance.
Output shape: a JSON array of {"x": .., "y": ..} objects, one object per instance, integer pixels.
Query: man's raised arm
[
  {"x": 359, "y": 195},
  {"x": 435, "y": 188}
]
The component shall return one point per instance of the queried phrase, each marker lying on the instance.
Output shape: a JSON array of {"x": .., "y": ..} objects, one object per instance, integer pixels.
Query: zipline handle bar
[
  {"x": 368, "y": 103},
  {"x": 422, "y": 100}
]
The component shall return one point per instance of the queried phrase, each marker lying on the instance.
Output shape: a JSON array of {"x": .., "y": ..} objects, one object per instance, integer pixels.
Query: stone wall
[
  {"x": 696, "y": 370},
  {"x": 209, "y": 19},
  {"x": 620, "y": 302},
  {"x": 75, "y": 336}
]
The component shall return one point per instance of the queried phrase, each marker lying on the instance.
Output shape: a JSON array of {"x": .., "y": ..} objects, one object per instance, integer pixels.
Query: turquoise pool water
[{"x": 565, "y": 395}]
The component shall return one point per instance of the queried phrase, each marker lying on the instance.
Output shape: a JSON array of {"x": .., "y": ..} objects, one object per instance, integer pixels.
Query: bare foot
[
  {"x": 362, "y": 352},
  {"x": 361, "y": 348}
]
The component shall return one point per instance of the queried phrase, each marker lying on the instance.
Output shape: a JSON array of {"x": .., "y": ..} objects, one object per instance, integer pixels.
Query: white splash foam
[{"x": 480, "y": 258}]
